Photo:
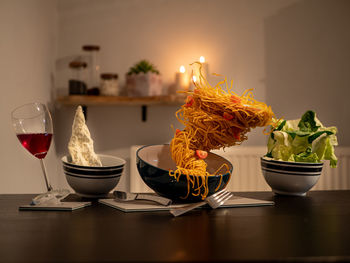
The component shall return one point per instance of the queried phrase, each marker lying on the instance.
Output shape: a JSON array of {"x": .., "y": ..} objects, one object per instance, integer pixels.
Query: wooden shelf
[{"x": 88, "y": 100}]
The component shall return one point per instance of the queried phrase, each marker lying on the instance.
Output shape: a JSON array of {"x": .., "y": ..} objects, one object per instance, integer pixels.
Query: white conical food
[{"x": 81, "y": 146}]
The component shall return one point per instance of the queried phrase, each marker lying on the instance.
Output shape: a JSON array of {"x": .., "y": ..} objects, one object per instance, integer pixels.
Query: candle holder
[
  {"x": 181, "y": 83},
  {"x": 182, "y": 79}
]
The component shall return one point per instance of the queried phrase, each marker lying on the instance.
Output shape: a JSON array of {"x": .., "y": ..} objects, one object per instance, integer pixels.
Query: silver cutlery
[
  {"x": 214, "y": 201},
  {"x": 124, "y": 196}
]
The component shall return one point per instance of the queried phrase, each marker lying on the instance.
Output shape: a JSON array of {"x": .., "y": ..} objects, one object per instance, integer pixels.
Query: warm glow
[
  {"x": 182, "y": 69},
  {"x": 194, "y": 78},
  {"x": 202, "y": 59}
]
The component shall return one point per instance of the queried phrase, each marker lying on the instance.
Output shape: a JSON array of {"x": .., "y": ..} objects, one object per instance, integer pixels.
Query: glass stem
[{"x": 48, "y": 186}]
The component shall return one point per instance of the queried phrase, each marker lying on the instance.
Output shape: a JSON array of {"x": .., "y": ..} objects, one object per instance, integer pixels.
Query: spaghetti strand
[{"x": 213, "y": 119}]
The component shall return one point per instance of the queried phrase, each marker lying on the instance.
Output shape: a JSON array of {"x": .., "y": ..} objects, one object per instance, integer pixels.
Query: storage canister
[
  {"x": 93, "y": 65},
  {"x": 109, "y": 84},
  {"x": 77, "y": 80}
]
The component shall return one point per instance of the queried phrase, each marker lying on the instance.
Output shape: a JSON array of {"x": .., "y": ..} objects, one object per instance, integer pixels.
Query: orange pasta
[{"x": 214, "y": 118}]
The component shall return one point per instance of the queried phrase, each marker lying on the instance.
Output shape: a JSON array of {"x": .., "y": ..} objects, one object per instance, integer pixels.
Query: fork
[{"x": 214, "y": 201}]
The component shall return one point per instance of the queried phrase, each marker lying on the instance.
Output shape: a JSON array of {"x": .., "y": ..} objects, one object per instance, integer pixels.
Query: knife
[{"x": 124, "y": 196}]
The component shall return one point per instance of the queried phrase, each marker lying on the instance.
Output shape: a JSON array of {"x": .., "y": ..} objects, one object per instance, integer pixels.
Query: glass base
[{"x": 50, "y": 197}]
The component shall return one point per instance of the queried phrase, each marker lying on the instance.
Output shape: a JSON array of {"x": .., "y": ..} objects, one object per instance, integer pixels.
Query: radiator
[{"x": 247, "y": 175}]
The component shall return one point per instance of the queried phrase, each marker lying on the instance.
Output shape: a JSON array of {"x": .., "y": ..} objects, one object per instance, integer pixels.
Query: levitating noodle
[{"x": 213, "y": 119}]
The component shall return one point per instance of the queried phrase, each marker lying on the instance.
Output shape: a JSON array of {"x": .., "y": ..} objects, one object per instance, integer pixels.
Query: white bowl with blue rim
[
  {"x": 94, "y": 181},
  {"x": 290, "y": 178},
  {"x": 109, "y": 162}
]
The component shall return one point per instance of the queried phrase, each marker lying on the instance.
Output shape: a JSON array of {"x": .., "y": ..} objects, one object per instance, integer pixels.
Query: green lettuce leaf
[
  {"x": 307, "y": 156},
  {"x": 303, "y": 140},
  {"x": 319, "y": 146},
  {"x": 307, "y": 122},
  {"x": 300, "y": 144},
  {"x": 329, "y": 155},
  {"x": 314, "y": 136}
]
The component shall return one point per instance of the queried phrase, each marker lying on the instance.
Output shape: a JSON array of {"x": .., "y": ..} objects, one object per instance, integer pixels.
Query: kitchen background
[{"x": 294, "y": 54}]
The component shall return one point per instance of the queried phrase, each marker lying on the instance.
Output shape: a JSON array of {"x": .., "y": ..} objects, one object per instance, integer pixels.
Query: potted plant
[{"x": 144, "y": 79}]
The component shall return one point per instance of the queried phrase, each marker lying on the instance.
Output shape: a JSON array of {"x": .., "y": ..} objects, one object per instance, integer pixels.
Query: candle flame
[
  {"x": 194, "y": 78},
  {"x": 182, "y": 69},
  {"x": 202, "y": 59}
]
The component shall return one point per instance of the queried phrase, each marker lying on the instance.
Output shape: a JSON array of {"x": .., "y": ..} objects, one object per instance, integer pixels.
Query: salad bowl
[
  {"x": 290, "y": 178},
  {"x": 154, "y": 163},
  {"x": 296, "y": 150}
]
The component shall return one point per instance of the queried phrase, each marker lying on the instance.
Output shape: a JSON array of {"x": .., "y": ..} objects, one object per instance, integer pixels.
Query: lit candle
[
  {"x": 193, "y": 81},
  {"x": 181, "y": 79},
  {"x": 182, "y": 69},
  {"x": 205, "y": 67}
]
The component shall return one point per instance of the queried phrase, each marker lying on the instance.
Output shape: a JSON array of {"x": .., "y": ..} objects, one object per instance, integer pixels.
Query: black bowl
[{"x": 154, "y": 162}]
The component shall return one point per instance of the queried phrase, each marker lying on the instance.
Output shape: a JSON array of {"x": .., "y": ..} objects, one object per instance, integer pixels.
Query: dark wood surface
[{"x": 315, "y": 228}]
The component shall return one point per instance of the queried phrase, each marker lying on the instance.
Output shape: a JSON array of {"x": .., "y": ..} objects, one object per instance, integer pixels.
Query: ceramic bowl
[
  {"x": 290, "y": 178},
  {"x": 92, "y": 187},
  {"x": 154, "y": 162},
  {"x": 108, "y": 162},
  {"x": 94, "y": 182},
  {"x": 87, "y": 172}
]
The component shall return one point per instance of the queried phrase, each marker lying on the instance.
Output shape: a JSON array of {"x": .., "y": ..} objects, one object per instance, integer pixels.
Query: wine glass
[{"x": 33, "y": 126}]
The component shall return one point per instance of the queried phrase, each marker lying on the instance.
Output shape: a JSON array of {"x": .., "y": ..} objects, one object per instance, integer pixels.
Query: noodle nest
[{"x": 214, "y": 117}]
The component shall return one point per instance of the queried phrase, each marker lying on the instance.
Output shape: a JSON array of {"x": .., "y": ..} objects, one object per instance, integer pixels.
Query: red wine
[{"x": 36, "y": 143}]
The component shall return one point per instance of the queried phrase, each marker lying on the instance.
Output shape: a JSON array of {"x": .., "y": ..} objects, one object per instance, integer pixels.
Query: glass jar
[
  {"x": 109, "y": 84},
  {"x": 77, "y": 81},
  {"x": 93, "y": 65}
]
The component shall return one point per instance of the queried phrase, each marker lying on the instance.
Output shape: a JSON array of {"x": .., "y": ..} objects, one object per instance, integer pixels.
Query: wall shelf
[{"x": 88, "y": 100}]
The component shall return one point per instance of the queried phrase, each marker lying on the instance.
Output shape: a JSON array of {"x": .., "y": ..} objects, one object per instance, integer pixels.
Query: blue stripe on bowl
[
  {"x": 263, "y": 159},
  {"x": 306, "y": 169},
  {"x": 66, "y": 160},
  {"x": 92, "y": 177},
  {"x": 93, "y": 172},
  {"x": 96, "y": 168},
  {"x": 291, "y": 173}
]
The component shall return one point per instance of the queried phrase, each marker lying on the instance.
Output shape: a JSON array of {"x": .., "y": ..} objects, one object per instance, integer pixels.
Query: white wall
[
  {"x": 238, "y": 38},
  {"x": 230, "y": 34},
  {"x": 308, "y": 62},
  {"x": 27, "y": 51}
]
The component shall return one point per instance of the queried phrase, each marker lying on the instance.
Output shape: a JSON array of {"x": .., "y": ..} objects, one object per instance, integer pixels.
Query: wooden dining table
[{"x": 312, "y": 228}]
